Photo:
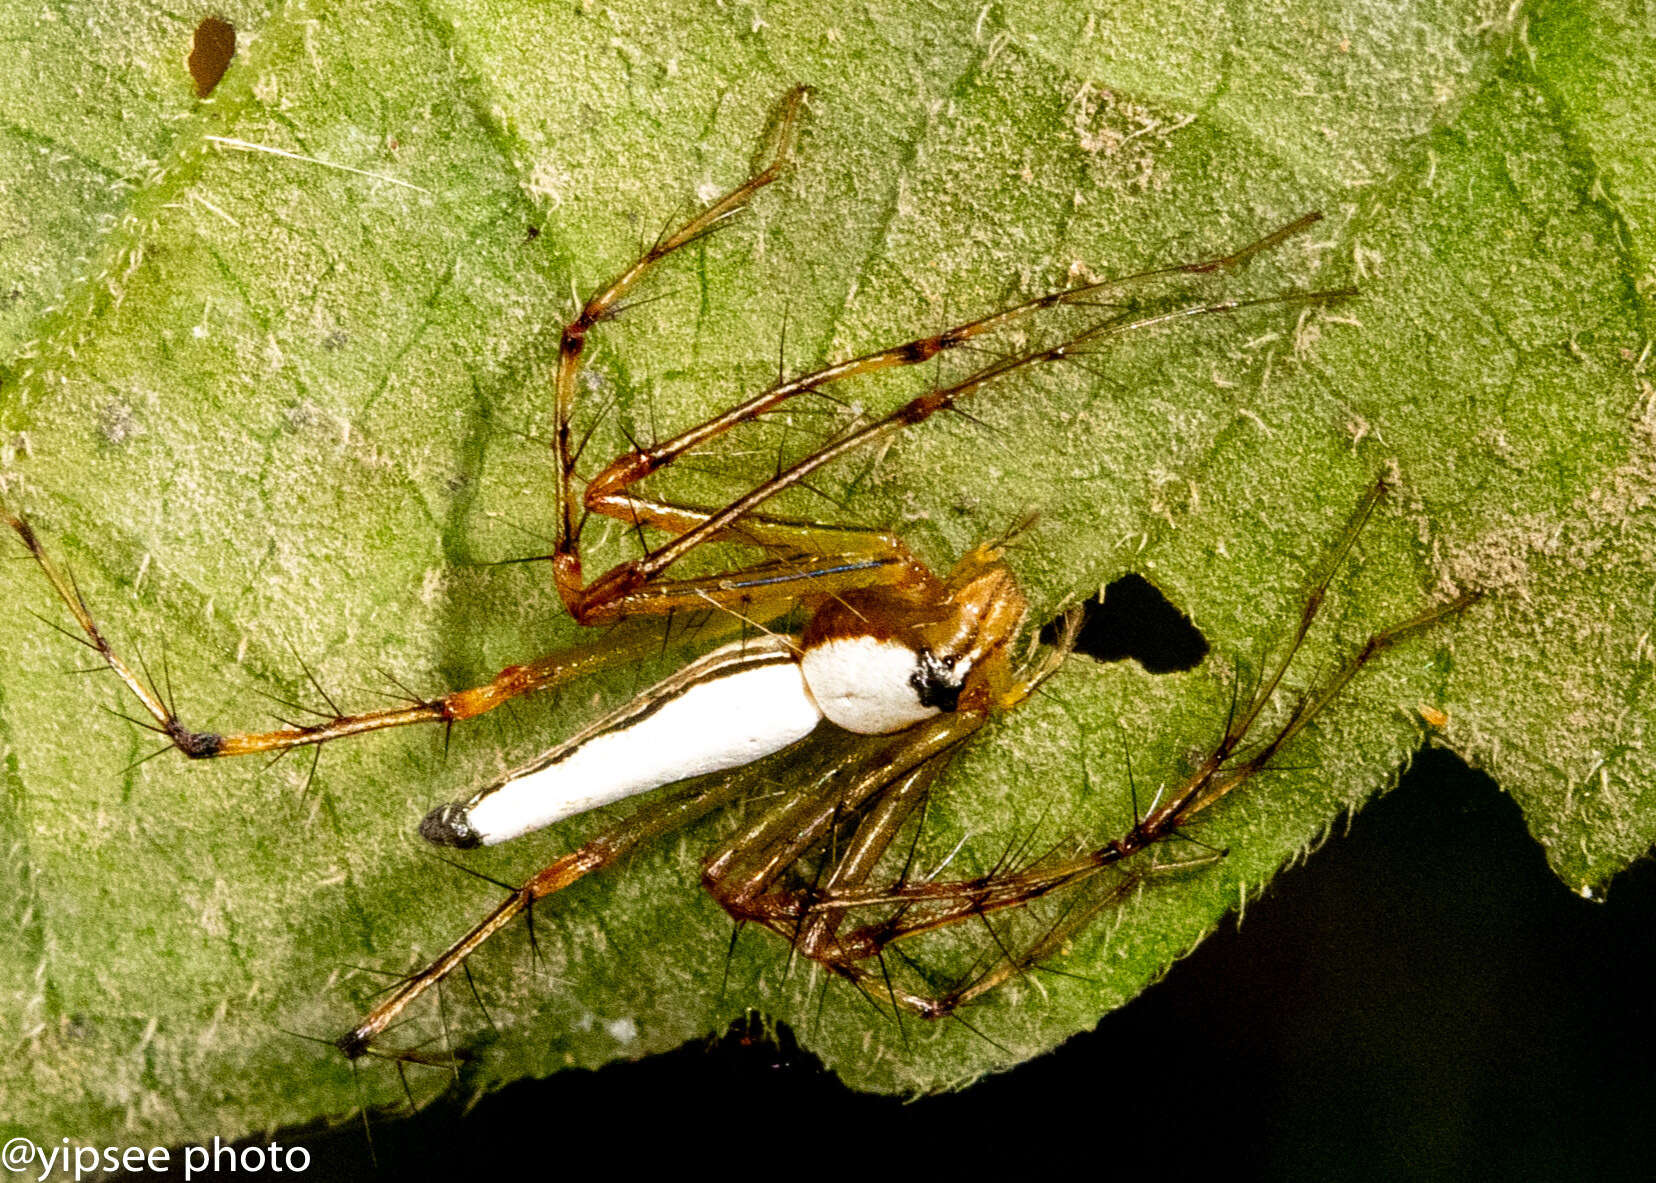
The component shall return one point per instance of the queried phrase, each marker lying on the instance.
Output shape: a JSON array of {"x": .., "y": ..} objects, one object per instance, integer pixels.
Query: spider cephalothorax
[{"x": 880, "y": 659}]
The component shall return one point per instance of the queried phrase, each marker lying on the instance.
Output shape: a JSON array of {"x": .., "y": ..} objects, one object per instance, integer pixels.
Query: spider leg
[
  {"x": 839, "y": 557},
  {"x": 930, "y": 907},
  {"x": 744, "y": 598},
  {"x": 633, "y": 466},
  {"x": 604, "y": 304},
  {"x": 612, "y": 594},
  {"x": 835, "y": 559},
  {"x": 1077, "y": 915},
  {"x": 916, "y": 908},
  {"x": 742, "y": 871},
  {"x": 763, "y": 593},
  {"x": 663, "y": 816},
  {"x": 939, "y": 904},
  {"x": 815, "y": 933},
  {"x": 756, "y": 529}
]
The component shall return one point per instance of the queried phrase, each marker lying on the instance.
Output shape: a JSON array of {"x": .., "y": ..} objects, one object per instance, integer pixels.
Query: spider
[{"x": 911, "y": 661}]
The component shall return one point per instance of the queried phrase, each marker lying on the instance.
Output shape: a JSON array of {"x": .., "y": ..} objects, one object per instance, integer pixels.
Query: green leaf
[{"x": 268, "y": 404}]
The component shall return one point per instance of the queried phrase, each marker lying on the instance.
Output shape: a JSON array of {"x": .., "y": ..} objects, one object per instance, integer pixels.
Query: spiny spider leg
[
  {"x": 815, "y": 933},
  {"x": 759, "y": 596},
  {"x": 553, "y": 669},
  {"x": 744, "y": 868},
  {"x": 949, "y": 902},
  {"x": 633, "y": 466},
  {"x": 1217, "y": 773},
  {"x": 633, "y": 586},
  {"x": 604, "y": 304},
  {"x": 977, "y": 899},
  {"x": 1078, "y": 915},
  {"x": 660, "y": 817},
  {"x": 930, "y": 906},
  {"x": 938, "y": 736}
]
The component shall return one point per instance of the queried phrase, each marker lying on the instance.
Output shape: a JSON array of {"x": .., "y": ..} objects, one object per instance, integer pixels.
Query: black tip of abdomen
[{"x": 447, "y": 826}]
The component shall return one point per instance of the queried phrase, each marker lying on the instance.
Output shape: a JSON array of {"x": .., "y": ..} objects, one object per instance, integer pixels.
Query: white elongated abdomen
[{"x": 728, "y": 709}]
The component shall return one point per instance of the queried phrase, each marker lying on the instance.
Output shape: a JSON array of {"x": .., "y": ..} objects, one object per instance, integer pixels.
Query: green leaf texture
[{"x": 268, "y": 405}]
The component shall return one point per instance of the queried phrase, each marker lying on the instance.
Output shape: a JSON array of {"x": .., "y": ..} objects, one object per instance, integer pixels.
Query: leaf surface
[{"x": 279, "y": 386}]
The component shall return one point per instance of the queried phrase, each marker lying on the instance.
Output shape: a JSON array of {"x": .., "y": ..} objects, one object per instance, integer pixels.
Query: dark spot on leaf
[
  {"x": 211, "y": 49},
  {"x": 1133, "y": 619},
  {"x": 533, "y": 233}
]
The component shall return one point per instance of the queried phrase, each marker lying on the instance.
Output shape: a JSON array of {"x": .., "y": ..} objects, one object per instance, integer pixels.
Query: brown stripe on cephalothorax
[{"x": 882, "y": 613}]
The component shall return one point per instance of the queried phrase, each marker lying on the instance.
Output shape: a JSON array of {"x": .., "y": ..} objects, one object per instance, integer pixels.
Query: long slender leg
[
  {"x": 602, "y": 305},
  {"x": 1226, "y": 767},
  {"x": 849, "y": 557},
  {"x": 652, "y": 821},
  {"x": 609, "y": 597},
  {"x": 633, "y": 466},
  {"x": 821, "y": 560},
  {"x": 1008, "y": 964},
  {"x": 759, "y": 530},
  {"x": 624, "y": 589},
  {"x": 743, "y": 870},
  {"x": 930, "y": 907},
  {"x": 622, "y": 577},
  {"x": 913, "y": 909},
  {"x": 815, "y": 933},
  {"x": 939, "y": 737},
  {"x": 634, "y": 588},
  {"x": 767, "y": 593}
]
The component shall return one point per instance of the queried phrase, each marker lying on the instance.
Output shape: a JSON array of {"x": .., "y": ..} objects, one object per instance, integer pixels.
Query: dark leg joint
[
  {"x": 197, "y": 745},
  {"x": 919, "y": 351}
]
